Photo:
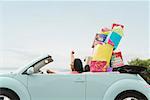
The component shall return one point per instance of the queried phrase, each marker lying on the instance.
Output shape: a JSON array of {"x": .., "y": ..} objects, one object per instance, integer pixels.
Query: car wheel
[
  {"x": 7, "y": 94},
  {"x": 131, "y": 95}
]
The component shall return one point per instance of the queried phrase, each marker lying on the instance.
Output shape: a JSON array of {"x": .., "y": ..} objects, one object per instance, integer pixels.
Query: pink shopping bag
[{"x": 98, "y": 66}]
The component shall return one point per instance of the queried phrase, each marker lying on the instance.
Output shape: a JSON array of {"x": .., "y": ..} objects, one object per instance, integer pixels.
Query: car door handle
[{"x": 79, "y": 81}]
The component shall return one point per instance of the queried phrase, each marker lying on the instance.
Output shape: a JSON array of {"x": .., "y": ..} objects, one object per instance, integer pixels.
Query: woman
[{"x": 76, "y": 64}]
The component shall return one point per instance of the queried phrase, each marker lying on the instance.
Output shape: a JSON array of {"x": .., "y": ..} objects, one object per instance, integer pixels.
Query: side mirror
[{"x": 30, "y": 71}]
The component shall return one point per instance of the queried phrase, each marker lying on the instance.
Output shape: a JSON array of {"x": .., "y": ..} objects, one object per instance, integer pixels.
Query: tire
[
  {"x": 8, "y": 94},
  {"x": 133, "y": 95}
]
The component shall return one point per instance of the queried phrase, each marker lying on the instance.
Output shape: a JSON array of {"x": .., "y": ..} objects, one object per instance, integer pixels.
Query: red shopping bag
[{"x": 116, "y": 59}]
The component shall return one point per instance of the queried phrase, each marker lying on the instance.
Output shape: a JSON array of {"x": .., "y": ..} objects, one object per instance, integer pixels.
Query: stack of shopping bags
[{"x": 104, "y": 44}]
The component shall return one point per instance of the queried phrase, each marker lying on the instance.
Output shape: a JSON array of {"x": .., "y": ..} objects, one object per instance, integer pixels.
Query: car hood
[{"x": 8, "y": 74}]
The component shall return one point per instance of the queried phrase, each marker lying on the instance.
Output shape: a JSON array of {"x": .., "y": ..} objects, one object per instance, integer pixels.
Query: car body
[{"x": 30, "y": 84}]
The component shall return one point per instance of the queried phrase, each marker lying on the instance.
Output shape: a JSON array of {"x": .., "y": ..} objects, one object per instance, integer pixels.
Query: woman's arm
[{"x": 72, "y": 61}]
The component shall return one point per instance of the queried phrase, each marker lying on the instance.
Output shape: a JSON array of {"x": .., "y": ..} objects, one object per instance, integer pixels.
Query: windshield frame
[{"x": 22, "y": 70}]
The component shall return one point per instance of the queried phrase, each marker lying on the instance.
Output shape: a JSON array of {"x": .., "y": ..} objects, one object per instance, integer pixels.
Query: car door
[{"x": 57, "y": 86}]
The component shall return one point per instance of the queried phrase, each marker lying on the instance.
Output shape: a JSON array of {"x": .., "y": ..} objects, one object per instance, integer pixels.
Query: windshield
[
  {"x": 12, "y": 60},
  {"x": 41, "y": 63}
]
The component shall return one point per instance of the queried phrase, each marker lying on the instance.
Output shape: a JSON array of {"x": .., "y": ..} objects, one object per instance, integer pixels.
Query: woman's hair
[{"x": 78, "y": 65}]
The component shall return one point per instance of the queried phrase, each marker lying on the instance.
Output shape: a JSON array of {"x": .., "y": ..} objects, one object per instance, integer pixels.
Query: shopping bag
[
  {"x": 114, "y": 38},
  {"x": 99, "y": 39},
  {"x": 98, "y": 66},
  {"x": 102, "y": 52},
  {"x": 118, "y": 28},
  {"x": 116, "y": 60}
]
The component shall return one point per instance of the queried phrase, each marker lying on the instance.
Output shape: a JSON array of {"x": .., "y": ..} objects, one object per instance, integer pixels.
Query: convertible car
[{"x": 29, "y": 83}]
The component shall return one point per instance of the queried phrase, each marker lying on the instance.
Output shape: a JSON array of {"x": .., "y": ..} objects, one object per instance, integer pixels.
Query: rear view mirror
[{"x": 30, "y": 71}]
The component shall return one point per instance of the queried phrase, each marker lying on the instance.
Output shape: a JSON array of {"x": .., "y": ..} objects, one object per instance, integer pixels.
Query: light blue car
[{"x": 29, "y": 83}]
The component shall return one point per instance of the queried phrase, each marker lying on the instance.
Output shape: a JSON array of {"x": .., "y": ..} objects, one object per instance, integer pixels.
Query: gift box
[
  {"x": 98, "y": 66},
  {"x": 105, "y": 31},
  {"x": 115, "y": 25},
  {"x": 99, "y": 39},
  {"x": 113, "y": 39},
  {"x": 102, "y": 52},
  {"x": 102, "y": 37},
  {"x": 116, "y": 60},
  {"x": 118, "y": 28}
]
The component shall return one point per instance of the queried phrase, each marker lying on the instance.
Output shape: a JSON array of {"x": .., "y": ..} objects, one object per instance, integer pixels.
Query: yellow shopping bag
[{"x": 103, "y": 52}]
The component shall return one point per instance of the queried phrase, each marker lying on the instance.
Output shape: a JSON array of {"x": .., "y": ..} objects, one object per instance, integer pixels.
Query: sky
[{"x": 57, "y": 27}]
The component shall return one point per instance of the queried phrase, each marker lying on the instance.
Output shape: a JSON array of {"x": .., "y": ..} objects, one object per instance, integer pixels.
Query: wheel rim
[
  {"x": 2, "y": 97},
  {"x": 130, "y": 98}
]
